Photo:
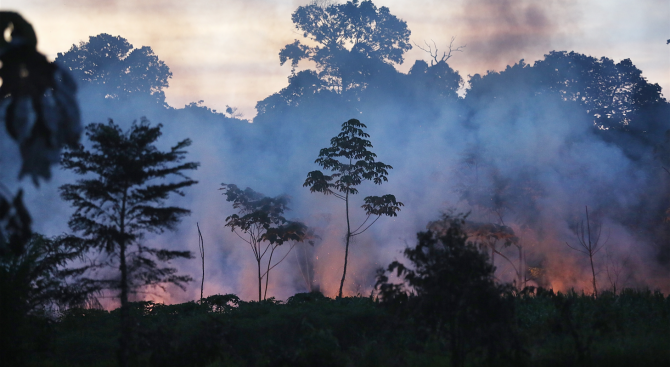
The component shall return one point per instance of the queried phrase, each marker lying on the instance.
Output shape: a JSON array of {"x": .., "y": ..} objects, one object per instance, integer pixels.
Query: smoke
[
  {"x": 535, "y": 154},
  {"x": 500, "y": 32}
]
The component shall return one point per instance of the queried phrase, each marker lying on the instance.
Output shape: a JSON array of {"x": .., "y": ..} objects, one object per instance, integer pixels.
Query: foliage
[
  {"x": 116, "y": 70},
  {"x": 15, "y": 222},
  {"x": 262, "y": 220},
  {"x": 352, "y": 163},
  {"x": 611, "y": 92},
  {"x": 615, "y": 95},
  {"x": 309, "y": 329},
  {"x": 451, "y": 292},
  {"x": 350, "y": 38},
  {"x": 119, "y": 201},
  {"x": 33, "y": 284},
  {"x": 610, "y": 330},
  {"x": 41, "y": 111},
  {"x": 41, "y": 114}
]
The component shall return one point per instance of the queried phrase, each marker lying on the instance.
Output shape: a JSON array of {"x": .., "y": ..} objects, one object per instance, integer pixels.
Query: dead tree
[
  {"x": 614, "y": 270},
  {"x": 201, "y": 245},
  {"x": 445, "y": 55},
  {"x": 589, "y": 245}
]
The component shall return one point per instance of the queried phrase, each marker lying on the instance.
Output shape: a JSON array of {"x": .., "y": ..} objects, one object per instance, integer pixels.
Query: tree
[
  {"x": 349, "y": 38},
  {"x": 116, "y": 70},
  {"x": 31, "y": 284},
  {"x": 351, "y": 162},
  {"x": 489, "y": 236},
  {"x": 589, "y": 244},
  {"x": 40, "y": 112},
  {"x": 261, "y": 219},
  {"x": 119, "y": 200},
  {"x": 611, "y": 92},
  {"x": 449, "y": 289}
]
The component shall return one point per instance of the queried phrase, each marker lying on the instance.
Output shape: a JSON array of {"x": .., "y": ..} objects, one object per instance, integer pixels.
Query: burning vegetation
[{"x": 511, "y": 274}]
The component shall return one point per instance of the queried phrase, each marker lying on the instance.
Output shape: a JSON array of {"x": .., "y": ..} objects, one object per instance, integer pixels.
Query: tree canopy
[
  {"x": 41, "y": 112},
  {"x": 349, "y": 38},
  {"x": 352, "y": 163},
  {"x": 119, "y": 200},
  {"x": 261, "y": 219},
  {"x": 449, "y": 288},
  {"x": 116, "y": 70}
]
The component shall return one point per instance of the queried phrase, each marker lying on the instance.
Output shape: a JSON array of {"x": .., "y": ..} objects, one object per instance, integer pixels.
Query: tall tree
[
  {"x": 120, "y": 200},
  {"x": 115, "y": 70},
  {"x": 350, "y": 38},
  {"x": 352, "y": 163},
  {"x": 261, "y": 219}
]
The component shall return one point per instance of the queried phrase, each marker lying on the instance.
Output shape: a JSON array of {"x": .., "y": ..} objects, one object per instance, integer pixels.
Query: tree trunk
[
  {"x": 591, "y": 250},
  {"x": 260, "y": 280},
  {"x": 346, "y": 248},
  {"x": 493, "y": 254},
  {"x": 593, "y": 271},
  {"x": 202, "y": 257},
  {"x": 125, "y": 314},
  {"x": 521, "y": 275},
  {"x": 267, "y": 274}
]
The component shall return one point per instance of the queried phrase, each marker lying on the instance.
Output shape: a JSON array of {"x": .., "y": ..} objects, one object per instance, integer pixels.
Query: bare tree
[
  {"x": 588, "y": 244},
  {"x": 614, "y": 270},
  {"x": 434, "y": 54},
  {"x": 201, "y": 245}
]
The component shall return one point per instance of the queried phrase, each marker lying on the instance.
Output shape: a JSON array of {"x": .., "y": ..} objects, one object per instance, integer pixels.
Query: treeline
[
  {"x": 569, "y": 122},
  {"x": 456, "y": 315}
]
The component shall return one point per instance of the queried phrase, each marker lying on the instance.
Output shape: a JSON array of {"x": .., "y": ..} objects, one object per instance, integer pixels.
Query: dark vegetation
[
  {"x": 458, "y": 316},
  {"x": 261, "y": 219},
  {"x": 443, "y": 307},
  {"x": 352, "y": 163}
]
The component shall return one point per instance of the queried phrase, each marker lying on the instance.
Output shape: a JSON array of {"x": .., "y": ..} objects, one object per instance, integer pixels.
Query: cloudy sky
[{"x": 225, "y": 52}]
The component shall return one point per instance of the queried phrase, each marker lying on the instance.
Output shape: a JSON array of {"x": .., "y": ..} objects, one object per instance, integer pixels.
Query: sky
[{"x": 225, "y": 52}]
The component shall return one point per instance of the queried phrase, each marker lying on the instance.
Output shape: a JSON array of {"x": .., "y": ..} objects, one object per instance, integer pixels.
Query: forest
[{"x": 511, "y": 218}]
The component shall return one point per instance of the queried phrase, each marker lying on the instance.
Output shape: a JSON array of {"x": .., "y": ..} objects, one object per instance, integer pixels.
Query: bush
[{"x": 451, "y": 294}]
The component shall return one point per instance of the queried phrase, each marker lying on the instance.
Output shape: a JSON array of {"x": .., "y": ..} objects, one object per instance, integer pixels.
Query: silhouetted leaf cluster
[
  {"x": 352, "y": 163},
  {"x": 112, "y": 69},
  {"x": 41, "y": 112},
  {"x": 118, "y": 201},
  {"x": 262, "y": 219},
  {"x": 450, "y": 291},
  {"x": 351, "y": 40}
]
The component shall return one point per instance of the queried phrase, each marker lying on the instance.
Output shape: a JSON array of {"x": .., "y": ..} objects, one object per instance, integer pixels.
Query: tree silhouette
[
  {"x": 589, "y": 243},
  {"x": 449, "y": 289},
  {"x": 351, "y": 162},
  {"x": 41, "y": 114},
  {"x": 119, "y": 201},
  {"x": 116, "y": 70},
  {"x": 349, "y": 38},
  {"x": 261, "y": 219},
  {"x": 32, "y": 284}
]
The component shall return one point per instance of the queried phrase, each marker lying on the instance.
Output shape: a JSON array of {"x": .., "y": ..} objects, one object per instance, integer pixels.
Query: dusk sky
[{"x": 226, "y": 52}]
